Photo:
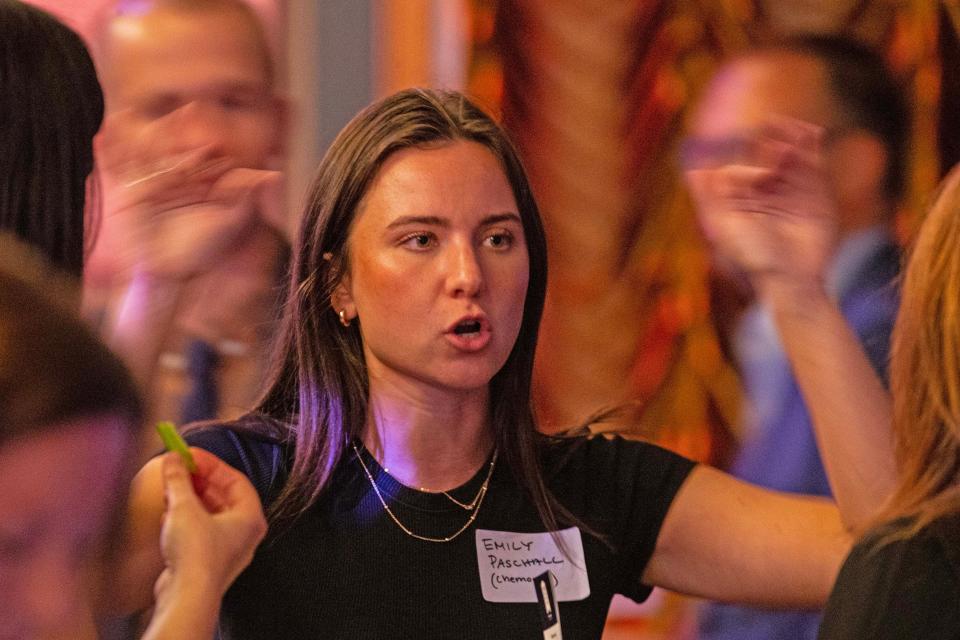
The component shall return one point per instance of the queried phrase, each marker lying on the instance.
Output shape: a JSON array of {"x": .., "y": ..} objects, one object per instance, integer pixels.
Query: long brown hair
[
  {"x": 925, "y": 370},
  {"x": 318, "y": 387}
]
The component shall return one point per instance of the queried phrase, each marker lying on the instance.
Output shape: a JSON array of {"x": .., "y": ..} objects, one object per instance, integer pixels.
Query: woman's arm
[
  {"x": 850, "y": 409},
  {"x": 776, "y": 220},
  {"x": 724, "y": 539},
  {"x": 730, "y": 541}
]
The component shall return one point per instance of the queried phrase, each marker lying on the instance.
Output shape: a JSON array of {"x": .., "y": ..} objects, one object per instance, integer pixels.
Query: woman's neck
[{"x": 431, "y": 439}]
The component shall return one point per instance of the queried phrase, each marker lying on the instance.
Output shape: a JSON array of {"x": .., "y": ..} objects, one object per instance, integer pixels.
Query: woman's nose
[{"x": 465, "y": 273}]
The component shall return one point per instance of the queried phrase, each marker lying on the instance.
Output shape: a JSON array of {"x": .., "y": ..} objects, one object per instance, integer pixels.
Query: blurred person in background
[
  {"x": 846, "y": 89},
  {"x": 68, "y": 408},
  {"x": 70, "y": 424},
  {"x": 185, "y": 275},
  {"x": 901, "y": 579}
]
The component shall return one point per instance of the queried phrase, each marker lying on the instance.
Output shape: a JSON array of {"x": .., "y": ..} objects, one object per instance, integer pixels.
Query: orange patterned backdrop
[{"x": 596, "y": 93}]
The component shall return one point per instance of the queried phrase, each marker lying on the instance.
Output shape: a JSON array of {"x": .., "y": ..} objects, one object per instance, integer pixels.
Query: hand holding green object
[{"x": 173, "y": 442}]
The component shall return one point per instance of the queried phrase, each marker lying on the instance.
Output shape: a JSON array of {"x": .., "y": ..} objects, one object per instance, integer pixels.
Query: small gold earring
[{"x": 343, "y": 318}]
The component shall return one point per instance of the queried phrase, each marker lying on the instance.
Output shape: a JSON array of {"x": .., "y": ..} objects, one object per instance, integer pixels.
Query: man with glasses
[{"x": 846, "y": 90}]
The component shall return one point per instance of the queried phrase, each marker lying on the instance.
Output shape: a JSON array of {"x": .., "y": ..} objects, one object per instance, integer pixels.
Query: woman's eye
[
  {"x": 501, "y": 240},
  {"x": 419, "y": 241}
]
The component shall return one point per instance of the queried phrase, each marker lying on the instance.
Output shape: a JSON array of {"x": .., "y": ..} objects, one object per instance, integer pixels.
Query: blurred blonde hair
[{"x": 925, "y": 370}]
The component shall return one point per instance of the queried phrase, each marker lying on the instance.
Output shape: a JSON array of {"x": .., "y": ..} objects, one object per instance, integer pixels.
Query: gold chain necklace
[
  {"x": 473, "y": 506},
  {"x": 466, "y": 506}
]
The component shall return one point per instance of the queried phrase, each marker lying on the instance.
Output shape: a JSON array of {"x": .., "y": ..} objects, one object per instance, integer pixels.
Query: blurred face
[
  {"x": 57, "y": 493},
  {"x": 438, "y": 268},
  {"x": 736, "y": 105},
  {"x": 202, "y": 76},
  {"x": 745, "y": 94}
]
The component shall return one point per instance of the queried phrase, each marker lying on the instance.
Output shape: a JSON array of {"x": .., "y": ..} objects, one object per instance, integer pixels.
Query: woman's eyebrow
[
  {"x": 501, "y": 217},
  {"x": 427, "y": 220},
  {"x": 437, "y": 221}
]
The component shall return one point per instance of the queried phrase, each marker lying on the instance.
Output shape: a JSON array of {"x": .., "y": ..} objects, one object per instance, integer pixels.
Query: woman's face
[
  {"x": 438, "y": 268},
  {"x": 58, "y": 490}
]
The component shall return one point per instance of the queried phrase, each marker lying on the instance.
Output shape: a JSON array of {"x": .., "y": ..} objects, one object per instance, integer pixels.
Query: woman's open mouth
[{"x": 469, "y": 334}]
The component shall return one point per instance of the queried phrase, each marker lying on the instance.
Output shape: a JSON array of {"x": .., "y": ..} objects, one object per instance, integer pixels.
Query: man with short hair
[
  {"x": 845, "y": 89},
  {"x": 186, "y": 273}
]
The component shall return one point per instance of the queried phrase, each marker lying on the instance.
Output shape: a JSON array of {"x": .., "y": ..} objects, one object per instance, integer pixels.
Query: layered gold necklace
[{"x": 473, "y": 506}]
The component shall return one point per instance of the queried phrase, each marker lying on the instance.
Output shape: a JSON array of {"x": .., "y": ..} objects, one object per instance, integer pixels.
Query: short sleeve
[
  {"x": 900, "y": 590},
  {"x": 259, "y": 458},
  {"x": 623, "y": 488}
]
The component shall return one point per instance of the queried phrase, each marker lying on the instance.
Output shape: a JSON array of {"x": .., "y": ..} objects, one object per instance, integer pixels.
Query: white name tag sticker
[{"x": 510, "y": 561}]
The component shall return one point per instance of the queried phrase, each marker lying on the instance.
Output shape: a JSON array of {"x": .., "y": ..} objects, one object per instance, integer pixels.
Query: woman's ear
[{"x": 342, "y": 301}]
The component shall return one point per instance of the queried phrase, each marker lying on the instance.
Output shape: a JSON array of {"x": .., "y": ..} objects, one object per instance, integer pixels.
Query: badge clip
[{"x": 549, "y": 610}]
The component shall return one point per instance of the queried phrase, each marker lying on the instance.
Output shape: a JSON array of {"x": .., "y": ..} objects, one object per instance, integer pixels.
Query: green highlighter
[{"x": 173, "y": 442}]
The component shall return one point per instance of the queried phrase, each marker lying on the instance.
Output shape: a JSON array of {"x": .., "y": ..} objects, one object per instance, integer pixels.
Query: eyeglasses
[
  {"x": 709, "y": 152},
  {"x": 703, "y": 153}
]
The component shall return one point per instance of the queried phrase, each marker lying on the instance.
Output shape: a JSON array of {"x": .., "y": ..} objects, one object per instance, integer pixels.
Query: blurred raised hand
[
  {"x": 770, "y": 211},
  {"x": 175, "y": 208}
]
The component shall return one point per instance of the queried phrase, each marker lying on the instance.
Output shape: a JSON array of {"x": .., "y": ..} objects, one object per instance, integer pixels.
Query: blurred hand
[
  {"x": 212, "y": 524},
  {"x": 772, "y": 214},
  {"x": 176, "y": 210}
]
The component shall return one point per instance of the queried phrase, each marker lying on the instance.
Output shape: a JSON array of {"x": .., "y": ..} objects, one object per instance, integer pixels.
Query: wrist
[
  {"x": 179, "y": 589},
  {"x": 143, "y": 321},
  {"x": 184, "y": 609},
  {"x": 790, "y": 293}
]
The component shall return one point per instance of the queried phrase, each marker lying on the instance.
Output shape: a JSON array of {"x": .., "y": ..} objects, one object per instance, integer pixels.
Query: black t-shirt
[
  {"x": 344, "y": 569},
  {"x": 903, "y": 590}
]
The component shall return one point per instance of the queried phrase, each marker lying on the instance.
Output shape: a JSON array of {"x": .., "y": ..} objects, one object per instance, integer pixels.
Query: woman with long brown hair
[{"x": 396, "y": 446}]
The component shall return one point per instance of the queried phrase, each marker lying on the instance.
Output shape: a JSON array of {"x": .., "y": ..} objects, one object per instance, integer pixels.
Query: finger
[
  {"x": 177, "y": 166},
  {"x": 240, "y": 183},
  {"x": 162, "y": 136},
  {"x": 225, "y": 486},
  {"x": 145, "y": 207},
  {"x": 211, "y": 474},
  {"x": 791, "y": 141},
  {"x": 177, "y": 485},
  {"x": 791, "y": 130},
  {"x": 180, "y": 181},
  {"x": 731, "y": 188}
]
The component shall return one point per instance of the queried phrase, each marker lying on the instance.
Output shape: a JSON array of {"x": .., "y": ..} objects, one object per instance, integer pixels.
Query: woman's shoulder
[
  {"x": 945, "y": 531},
  {"x": 896, "y": 583},
  {"x": 900, "y": 547},
  {"x": 939, "y": 539},
  {"x": 590, "y": 451},
  {"x": 624, "y": 471}
]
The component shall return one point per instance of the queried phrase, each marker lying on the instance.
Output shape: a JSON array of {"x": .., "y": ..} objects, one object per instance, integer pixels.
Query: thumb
[{"x": 177, "y": 485}]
